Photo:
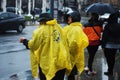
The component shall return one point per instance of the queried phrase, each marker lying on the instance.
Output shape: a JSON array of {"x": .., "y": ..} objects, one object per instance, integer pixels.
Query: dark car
[
  {"x": 11, "y": 21},
  {"x": 10, "y": 9},
  {"x": 13, "y": 9}
]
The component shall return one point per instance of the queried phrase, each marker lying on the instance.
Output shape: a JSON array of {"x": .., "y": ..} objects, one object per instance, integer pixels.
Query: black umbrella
[{"x": 100, "y": 8}]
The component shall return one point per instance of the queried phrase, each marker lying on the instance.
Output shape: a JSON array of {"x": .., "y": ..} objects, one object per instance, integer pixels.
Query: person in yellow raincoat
[
  {"x": 77, "y": 42},
  {"x": 48, "y": 50}
]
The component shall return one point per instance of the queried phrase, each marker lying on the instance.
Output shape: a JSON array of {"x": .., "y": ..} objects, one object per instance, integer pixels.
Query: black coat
[{"x": 111, "y": 34}]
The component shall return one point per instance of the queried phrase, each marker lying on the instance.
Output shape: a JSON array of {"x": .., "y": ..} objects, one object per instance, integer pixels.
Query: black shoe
[{"x": 108, "y": 73}]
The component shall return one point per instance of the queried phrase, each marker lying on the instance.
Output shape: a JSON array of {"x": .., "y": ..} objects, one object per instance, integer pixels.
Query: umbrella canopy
[{"x": 100, "y": 8}]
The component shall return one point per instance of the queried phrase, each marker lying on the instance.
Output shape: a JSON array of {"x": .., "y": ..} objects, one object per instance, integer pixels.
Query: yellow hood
[{"x": 51, "y": 22}]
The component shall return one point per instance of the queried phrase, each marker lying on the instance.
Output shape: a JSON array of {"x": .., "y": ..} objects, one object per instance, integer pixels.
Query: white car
[{"x": 67, "y": 10}]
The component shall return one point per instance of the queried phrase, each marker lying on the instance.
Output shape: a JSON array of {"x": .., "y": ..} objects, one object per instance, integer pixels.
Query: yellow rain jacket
[
  {"x": 77, "y": 42},
  {"x": 49, "y": 50}
]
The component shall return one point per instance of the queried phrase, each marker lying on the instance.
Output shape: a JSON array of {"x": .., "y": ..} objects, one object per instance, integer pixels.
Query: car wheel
[{"x": 20, "y": 29}]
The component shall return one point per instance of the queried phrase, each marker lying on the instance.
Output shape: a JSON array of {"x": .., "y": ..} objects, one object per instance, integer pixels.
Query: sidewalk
[{"x": 30, "y": 23}]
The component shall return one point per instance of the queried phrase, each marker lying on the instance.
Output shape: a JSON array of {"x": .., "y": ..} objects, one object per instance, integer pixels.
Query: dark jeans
[
  {"x": 91, "y": 51},
  {"x": 110, "y": 57},
  {"x": 58, "y": 76},
  {"x": 73, "y": 73}
]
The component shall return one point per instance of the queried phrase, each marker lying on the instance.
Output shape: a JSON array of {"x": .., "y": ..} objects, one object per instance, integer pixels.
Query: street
[
  {"x": 14, "y": 58},
  {"x": 15, "y": 61}
]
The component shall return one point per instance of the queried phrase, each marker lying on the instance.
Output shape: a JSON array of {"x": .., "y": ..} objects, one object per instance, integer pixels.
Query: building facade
[{"x": 44, "y": 5}]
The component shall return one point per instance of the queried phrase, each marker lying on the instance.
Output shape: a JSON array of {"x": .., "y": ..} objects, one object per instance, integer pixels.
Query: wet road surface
[{"x": 15, "y": 65}]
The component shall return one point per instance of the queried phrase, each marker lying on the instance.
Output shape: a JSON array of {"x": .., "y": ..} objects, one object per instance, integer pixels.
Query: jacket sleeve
[
  {"x": 34, "y": 43},
  {"x": 82, "y": 44},
  {"x": 77, "y": 41},
  {"x": 25, "y": 42},
  {"x": 105, "y": 37},
  {"x": 73, "y": 41}
]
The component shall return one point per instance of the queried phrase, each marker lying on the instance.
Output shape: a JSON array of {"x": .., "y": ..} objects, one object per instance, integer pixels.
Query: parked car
[
  {"x": 13, "y": 9},
  {"x": 11, "y": 21}
]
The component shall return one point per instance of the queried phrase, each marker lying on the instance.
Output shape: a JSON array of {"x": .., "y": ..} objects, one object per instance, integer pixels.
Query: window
[{"x": 4, "y": 16}]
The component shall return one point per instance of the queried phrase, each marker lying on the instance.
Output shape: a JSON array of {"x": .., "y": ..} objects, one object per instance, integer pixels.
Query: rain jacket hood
[
  {"x": 49, "y": 50},
  {"x": 77, "y": 42}
]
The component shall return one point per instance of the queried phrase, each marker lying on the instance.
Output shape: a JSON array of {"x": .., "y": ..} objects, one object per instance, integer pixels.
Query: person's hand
[{"x": 22, "y": 39}]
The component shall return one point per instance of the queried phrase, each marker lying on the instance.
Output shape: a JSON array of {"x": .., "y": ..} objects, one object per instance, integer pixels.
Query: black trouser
[
  {"x": 58, "y": 76},
  {"x": 92, "y": 51},
  {"x": 110, "y": 57},
  {"x": 73, "y": 73}
]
